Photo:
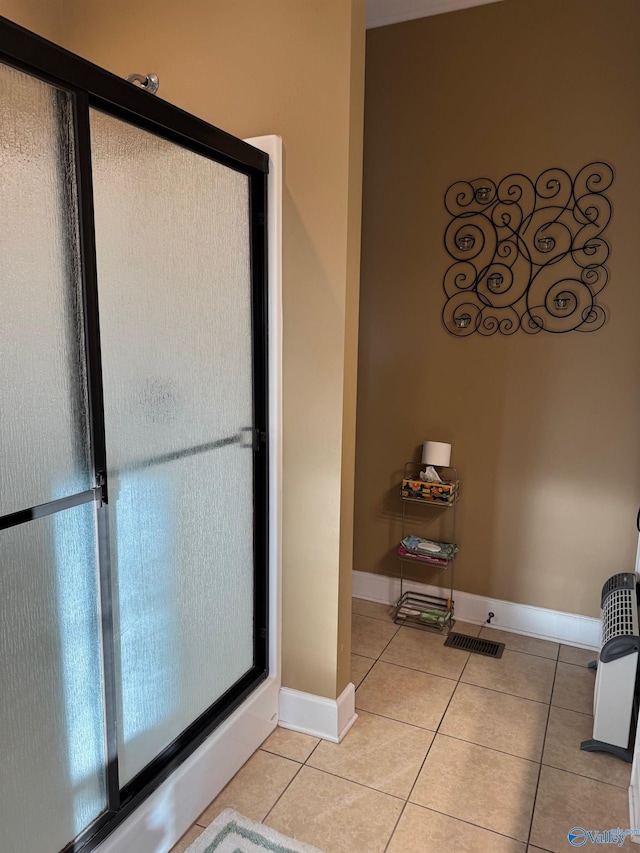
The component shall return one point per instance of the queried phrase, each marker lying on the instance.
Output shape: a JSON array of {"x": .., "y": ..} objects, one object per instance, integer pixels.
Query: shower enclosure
[{"x": 133, "y": 441}]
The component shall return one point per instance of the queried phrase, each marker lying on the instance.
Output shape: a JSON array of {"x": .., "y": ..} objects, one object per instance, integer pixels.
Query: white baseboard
[
  {"x": 634, "y": 817},
  {"x": 568, "y": 628},
  {"x": 329, "y": 719}
]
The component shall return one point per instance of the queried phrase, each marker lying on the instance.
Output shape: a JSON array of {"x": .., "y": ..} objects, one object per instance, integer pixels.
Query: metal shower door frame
[{"x": 90, "y": 86}]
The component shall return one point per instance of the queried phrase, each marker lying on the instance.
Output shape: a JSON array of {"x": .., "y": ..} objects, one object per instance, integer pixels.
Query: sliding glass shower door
[
  {"x": 174, "y": 288},
  {"x": 133, "y": 435},
  {"x": 53, "y": 779}
]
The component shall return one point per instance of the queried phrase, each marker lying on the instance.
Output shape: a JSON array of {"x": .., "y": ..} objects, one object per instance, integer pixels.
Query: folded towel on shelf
[
  {"x": 435, "y": 616},
  {"x": 419, "y": 547}
]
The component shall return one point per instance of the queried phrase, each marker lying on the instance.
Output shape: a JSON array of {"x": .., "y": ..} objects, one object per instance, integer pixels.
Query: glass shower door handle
[
  {"x": 251, "y": 438},
  {"x": 100, "y": 490}
]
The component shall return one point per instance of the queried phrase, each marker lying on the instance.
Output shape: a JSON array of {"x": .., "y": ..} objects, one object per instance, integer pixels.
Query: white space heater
[{"x": 615, "y": 698}]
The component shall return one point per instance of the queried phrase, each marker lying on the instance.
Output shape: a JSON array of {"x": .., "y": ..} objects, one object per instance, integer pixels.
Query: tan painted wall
[
  {"x": 545, "y": 429},
  {"x": 295, "y": 69},
  {"x": 43, "y": 17}
]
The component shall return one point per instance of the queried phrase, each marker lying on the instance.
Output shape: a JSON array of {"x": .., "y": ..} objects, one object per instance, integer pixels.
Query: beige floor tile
[
  {"x": 478, "y": 785},
  {"x": 573, "y": 688},
  {"x": 421, "y": 830},
  {"x": 466, "y": 628},
  {"x": 377, "y": 752},
  {"x": 370, "y": 636},
  {"x": 565, "y": 732},
  {"x": 359, "y": 668},
  {"x": 255, "y": 787},
  {"x": 520, "y": 643},
  {"x": 293, "y": 745},
  {"x": 187, "y": 839},
  {"x": 424, "y": 650},
  {"x": 334, "y": 814},
  {"x": 407, "y": 695},
  {"x": 372, "y": 609},
  {"x": 565, "y": 801},
  {"x": 579, "y": 657},
  {"x": 531, "y": 849},
  {"x": 507, "y": 723},
  {"x": 522, "y": 675}
]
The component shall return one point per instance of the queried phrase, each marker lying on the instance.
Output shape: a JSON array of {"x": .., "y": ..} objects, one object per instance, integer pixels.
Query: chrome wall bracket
[{"x": 149, "y": 82}]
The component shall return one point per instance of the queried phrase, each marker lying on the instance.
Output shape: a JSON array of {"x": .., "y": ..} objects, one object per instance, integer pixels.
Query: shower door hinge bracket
[{"x": 100, "y": 489}]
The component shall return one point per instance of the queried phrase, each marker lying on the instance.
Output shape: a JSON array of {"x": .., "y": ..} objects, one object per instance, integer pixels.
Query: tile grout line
[
  {"x": 590, "y": 778},
  {"x": 504, "y": 693},
  {"x": 473, "y": 742},
  {"x": 391, "y": 639},
  {"x": 395, "y": 720},
  {"x": 491, "y": 748},
  {"x": 379, "y": 618},
  {"x": 577, "y": 665},
  {"x": 415, "y": 781},
  {"x": 582, "y": 776},
  {"x": 281, "y": 794},
  {"x": 413, "y": 669},
  {"x": 395, "y": 826},
  {"x": 458, "y": 679},
  {"x": 402, "y": 810},
  {"x": 335, "y": 775},
  {"x": 469, "y": 823},
  {"x": 544, "y": 741},
  {"x": 453, "y": 693},
  {"x": 510, "y": 651},
  {"x": 312, "y": 751},
  {"x": 522, "y": 652},
  {"x": 573, "y": 710},
  {"x": 424, "y": 760},
  {"x": 295, "y": 775}
]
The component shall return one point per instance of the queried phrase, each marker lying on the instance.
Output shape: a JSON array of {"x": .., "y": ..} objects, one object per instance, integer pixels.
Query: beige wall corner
[
  {"x": 545, "y": 428},
  {"x": 294, "y": 69},
  {"x": 354, "y": 218}
]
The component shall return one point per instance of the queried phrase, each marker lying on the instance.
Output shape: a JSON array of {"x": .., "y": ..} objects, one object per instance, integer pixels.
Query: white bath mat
[{"x": 231, "y": 832}]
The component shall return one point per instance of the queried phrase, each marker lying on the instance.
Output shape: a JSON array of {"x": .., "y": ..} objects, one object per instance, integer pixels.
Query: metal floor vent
[{"x": 475, "y": 644}]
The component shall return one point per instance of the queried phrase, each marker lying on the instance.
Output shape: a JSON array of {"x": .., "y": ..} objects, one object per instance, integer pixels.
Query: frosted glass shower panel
[
  {"x": 174, "y": 287},
  {"x": 52, "y": 773},
  {"x": 43, "y": 423}
]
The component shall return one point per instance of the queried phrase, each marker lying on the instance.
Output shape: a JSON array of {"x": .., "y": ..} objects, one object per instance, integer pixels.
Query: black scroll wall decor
[{"x": 527, "y": 255}]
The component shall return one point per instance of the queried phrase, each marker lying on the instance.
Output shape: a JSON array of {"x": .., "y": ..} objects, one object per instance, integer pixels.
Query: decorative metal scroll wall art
[{"x": 527, "y": 255}]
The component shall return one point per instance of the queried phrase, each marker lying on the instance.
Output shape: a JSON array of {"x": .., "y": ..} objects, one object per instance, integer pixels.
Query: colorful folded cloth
[
  {"x": 419, "y": 547},
  {"x": 418, "y": 555}
]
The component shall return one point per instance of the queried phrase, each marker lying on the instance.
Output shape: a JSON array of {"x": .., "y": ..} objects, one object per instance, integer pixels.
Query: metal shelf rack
[{"x": 428, "y": 612}]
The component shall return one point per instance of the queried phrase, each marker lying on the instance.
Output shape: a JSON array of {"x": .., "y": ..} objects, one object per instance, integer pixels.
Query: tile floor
[{"x": 450, "y": 751}]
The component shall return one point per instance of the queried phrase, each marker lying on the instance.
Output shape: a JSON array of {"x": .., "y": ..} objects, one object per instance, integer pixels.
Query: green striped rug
[{"x": 231, "y": 832}]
